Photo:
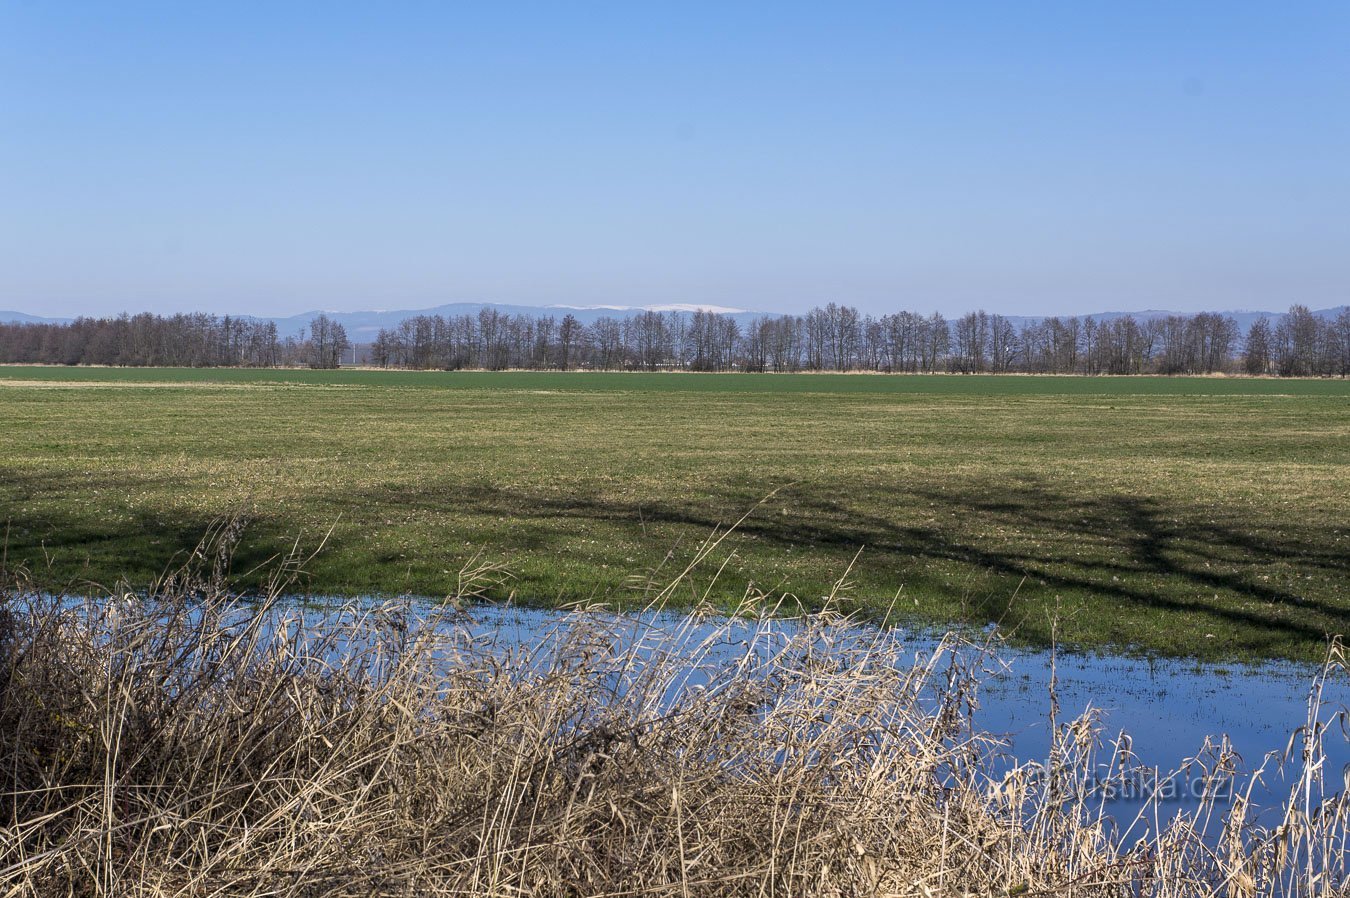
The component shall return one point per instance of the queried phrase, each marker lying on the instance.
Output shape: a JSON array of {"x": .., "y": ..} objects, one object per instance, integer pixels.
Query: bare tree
[
  {"x": 1257, "y": 352},
  {"x": 327, "y": 342}
]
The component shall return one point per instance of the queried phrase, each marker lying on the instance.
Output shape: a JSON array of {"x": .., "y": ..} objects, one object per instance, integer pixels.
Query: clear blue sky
[{"x": 1022, "y": 157}]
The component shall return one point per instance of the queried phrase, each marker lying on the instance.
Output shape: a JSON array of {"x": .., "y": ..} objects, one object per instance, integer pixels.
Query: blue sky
[{"x": 1033, "y": 158}]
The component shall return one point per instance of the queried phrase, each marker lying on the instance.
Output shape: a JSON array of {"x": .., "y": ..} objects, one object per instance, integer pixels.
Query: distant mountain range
[
  {"x": 21, "y": 318},
  {"x": 362, "y": 327},
  {"x": 1244, "y": 318}
]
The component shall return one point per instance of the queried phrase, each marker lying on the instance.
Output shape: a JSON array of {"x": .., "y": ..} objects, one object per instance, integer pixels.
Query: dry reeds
[{"x": 191, "y": 743}]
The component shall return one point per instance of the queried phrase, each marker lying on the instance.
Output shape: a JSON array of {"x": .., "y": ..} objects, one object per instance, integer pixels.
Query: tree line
[
  {"x": 179, "y": 341},
  {"x": 830, "y": 338}
]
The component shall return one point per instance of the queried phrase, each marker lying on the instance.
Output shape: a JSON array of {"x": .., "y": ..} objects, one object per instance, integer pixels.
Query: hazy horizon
[
  {"x": 560, "y": 309},
  {"x": 1064, "y": 160}
]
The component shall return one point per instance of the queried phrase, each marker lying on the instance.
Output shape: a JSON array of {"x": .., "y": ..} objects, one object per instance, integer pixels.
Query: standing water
[{"x": 1173, "y": 715}]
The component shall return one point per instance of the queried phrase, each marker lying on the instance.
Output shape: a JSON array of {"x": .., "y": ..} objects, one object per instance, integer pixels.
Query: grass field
[{"x": 1202, "y": 516}]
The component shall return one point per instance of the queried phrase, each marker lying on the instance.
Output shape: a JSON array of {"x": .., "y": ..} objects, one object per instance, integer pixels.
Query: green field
[
  {"x": 681, "y": 382},
  {"x": 1205, "y": 516}
]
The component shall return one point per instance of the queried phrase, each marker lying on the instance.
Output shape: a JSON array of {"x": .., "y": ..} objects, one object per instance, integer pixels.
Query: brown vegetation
[{"x": 195, "y": 744}]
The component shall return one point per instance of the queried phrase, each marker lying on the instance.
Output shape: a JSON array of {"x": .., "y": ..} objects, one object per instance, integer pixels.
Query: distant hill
[
  {"x": 1244, "y": 318},
  {"x": 362, "y": 327},
  {"x": 22, "y": 318}
]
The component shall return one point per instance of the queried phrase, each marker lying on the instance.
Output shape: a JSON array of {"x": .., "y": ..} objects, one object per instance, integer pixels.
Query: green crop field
[{"x": 1204, "y": 516}]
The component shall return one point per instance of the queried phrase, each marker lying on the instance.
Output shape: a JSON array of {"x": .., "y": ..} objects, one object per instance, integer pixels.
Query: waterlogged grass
[{"x": 1200, "y": 516}]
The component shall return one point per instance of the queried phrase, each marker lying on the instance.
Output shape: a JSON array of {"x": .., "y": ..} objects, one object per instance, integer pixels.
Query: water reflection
[{"x": 1170, "y": 714}]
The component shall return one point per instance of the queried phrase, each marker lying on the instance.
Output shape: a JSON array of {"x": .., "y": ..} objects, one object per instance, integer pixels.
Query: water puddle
[{"x": 1172, "y": 710}]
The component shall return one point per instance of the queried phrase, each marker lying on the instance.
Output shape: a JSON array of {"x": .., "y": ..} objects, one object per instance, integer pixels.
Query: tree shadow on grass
[
  {"x": 1272, "y": 585},
  {"x": 1131, "y": 555},
  {"x": 61, "y": 548}
]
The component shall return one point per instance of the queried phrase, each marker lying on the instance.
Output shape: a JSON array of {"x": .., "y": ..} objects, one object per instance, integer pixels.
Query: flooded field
[
  {"x": 506, "y": 744},
  {"x": 1177, "y": 717}
]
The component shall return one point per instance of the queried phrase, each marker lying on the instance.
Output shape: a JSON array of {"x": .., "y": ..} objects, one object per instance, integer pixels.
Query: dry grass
[{"x": 194, "y": 744}]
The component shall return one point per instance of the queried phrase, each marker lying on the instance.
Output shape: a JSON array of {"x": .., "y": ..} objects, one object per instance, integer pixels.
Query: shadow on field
[
  {"x": 1265, "y": 582},
  {"x": 1140, "y": 554},
  {"x": 69, "y": 550}
]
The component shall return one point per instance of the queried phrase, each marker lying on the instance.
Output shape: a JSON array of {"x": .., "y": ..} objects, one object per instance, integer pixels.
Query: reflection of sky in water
[{"x": 1168, "y": 707}]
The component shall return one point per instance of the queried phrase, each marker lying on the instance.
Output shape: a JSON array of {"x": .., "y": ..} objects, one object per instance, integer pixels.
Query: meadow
[{"x": 1191, "y": 516}]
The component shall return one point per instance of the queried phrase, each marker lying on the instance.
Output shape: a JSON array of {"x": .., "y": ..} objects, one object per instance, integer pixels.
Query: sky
[{"x": 1031, "y": 158}]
